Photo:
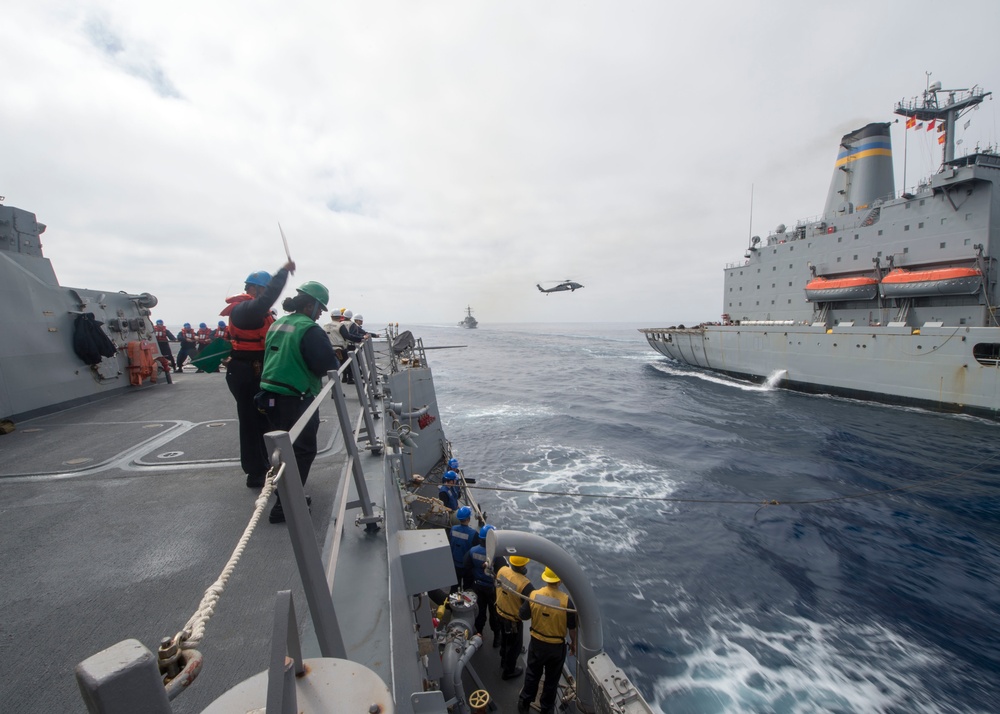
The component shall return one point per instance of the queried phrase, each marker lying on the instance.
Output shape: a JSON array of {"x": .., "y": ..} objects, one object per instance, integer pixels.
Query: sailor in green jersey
[{"x": 297, "y": 355}]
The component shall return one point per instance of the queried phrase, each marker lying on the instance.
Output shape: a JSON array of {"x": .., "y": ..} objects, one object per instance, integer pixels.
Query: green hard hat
[{"x": 317, "y": 291}]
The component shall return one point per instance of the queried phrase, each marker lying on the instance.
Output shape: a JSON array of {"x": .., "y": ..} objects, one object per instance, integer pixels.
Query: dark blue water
[{"x": 872, "y": 587}]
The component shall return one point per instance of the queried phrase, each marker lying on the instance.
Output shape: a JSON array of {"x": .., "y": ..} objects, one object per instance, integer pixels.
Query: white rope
[{"x": 194, "y": 631}]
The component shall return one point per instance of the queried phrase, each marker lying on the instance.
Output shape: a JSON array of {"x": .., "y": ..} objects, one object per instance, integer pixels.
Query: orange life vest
[
  {"x": 246, "y": 340},
  {"x": 161, "y": 332}
]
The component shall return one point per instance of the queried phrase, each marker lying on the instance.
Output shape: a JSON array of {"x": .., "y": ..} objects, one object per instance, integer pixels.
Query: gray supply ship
[
  {"x": 885, "y": 296},
  {"x": 121, "y": 508}
]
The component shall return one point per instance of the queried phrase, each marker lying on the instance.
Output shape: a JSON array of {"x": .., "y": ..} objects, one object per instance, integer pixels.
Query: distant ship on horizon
[
  {"x": 885, "y": 296},
  {"x": 469, "y": 321}
]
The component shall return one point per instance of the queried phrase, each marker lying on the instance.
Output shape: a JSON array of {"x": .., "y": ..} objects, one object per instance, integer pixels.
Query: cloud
[
  {"x": 422, "y": 157},
  {"x": 132, "y": 60}
]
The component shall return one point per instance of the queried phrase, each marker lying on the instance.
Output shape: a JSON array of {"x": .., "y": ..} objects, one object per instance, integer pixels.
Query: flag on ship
[
  {"x": 911, "y": 122},
  {"x": 930, "y": 125}
]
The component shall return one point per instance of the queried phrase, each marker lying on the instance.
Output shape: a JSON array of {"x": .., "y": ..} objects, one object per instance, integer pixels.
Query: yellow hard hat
[
  {"x": 549, "y": 576},
  {"x": 519, "y": 560}
]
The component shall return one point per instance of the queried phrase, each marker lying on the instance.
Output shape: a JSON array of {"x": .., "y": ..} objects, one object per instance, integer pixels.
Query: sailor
[
  {"x": 512, "y": 581},
  {"x": 450, "y": 491},
  {"x": 332, "y": 329},
  {"x": 163, "y": 337},
  {"x": 462, "y": 537},
  {"x": 249, "y": 317},
  {"x": 350, "y": 339},
  {"x": 189, "y": 343},
  {"x": 297, "y": 357},
  {"x": 479, "y": 572},
  {"x": 220, "y": 332},
  {"x": 552, "y": 616},
  {"x": 358, "y": 329},
  {"x": 204, "y": 339}
]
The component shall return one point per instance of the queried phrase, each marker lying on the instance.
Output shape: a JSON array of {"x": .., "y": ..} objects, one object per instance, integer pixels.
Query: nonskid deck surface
[
  {"x": 127, "y": 548},
  {"x": 192, "y": 421}
]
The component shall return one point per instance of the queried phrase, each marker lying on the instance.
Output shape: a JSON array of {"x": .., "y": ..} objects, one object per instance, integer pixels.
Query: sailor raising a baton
[{"x": 249, "y": 317}]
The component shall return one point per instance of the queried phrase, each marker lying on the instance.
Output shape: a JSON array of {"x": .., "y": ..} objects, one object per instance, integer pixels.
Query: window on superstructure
[
  {"x": 966, "y": 241},
  {"x": 789, "y": 266},
  {"x": 855, "y": 256},
  {"x": 906, "y": 227},
  {"x": 855, "y": 236},
  {"x": 774, "y": 268},
  {"x": 943, "y": 244},
  {"x": 987, "y": 353},
  {"x": 921, "y": 201},
  {"x": 772, "y": 285},
  {"x": 906, "y": 250},
  {"x": 920, "y": 225},
  {"x": 880, "y": 231},
  {"x": 838, "y": 258},
  {"x": 789, "y": 283},
  {"x": 840, "y": 239}
]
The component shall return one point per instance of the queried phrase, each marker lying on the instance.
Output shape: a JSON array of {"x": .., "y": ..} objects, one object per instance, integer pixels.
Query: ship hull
[{"x": 935, "y": 367}]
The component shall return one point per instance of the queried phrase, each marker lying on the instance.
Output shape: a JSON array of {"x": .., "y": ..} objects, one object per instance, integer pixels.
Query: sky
[{"x": 422, "y": 157}]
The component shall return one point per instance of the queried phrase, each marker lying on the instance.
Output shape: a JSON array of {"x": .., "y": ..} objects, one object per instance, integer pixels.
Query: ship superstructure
[
  {"x": 887, "y": 296},
  {"x": 39, "y": 365}
]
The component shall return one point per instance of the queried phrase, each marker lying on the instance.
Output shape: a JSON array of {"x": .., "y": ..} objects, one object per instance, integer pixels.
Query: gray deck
[{"x": 116, "y": 517}]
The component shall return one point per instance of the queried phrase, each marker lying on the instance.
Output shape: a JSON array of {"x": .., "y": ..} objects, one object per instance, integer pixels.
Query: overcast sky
[{"x": 425, "y": 156}]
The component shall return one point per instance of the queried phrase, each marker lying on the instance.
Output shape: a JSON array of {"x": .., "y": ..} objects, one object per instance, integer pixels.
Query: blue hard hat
[
  {"x": 453, "y": 464},
  {"x": 187, "y": 324},
  {"x": 450, "y": 476},
  {"x": 203, "y": 325},
  {"x": 486, "y": 529},
  {"x": 261, "y": 278},
  {"x": 159, "y": 322},
  {"x": 464, "y": 513},
  {"x": 222, "y": 323}
]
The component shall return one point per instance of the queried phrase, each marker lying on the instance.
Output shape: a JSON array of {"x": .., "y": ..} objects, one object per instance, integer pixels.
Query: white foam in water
[
  {"x": 810, "y": 667},
  {"x": 562, "y": 470},
  {"x": 508, "y": 411},
  {"x": 772, "y": 383}
]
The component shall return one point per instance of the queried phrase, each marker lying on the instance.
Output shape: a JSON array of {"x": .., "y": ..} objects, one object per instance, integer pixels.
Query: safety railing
[{"x": 127, "y": 677}]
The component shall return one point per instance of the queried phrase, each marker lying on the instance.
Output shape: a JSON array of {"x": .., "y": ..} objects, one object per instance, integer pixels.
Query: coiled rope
[{"x": 194, "y": 631}]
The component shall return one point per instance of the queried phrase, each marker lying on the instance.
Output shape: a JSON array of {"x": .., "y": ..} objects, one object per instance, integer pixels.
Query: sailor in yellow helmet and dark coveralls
[
  {"x": 549, "y": 610},
  {"x": 512, "y": 580},
  {"x": 297, "y": 355}
]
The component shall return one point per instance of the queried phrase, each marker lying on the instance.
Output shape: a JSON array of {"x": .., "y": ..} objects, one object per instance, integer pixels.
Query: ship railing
[{"x": 127, "y": 677}]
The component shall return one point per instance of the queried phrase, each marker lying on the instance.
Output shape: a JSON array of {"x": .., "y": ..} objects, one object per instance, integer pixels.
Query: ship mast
[{"x": 930, "y": 108}]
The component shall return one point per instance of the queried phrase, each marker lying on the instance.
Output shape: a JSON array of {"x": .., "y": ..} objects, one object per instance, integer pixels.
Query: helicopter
[{"x": 567, "y": 284}]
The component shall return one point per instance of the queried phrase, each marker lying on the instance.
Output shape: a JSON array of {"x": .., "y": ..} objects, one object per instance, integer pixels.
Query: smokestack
[{"x": 863, "y": 171}]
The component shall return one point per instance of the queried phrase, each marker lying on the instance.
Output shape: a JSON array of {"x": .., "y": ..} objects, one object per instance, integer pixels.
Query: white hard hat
[
  {"x": 348, "y": 314},
  {"x": 359, "y": 317}
]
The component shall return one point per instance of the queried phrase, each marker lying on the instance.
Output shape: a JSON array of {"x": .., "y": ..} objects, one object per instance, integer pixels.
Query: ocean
[{"x": 753, "y": 549}]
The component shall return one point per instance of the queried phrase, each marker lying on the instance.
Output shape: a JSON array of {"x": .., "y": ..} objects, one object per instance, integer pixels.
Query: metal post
[
  {"x": 286, "y": 657},
  {"x": 363, "y": 397},
  {"x": 368, "y": 518},
  {"x": 372, "y": 367},
  {"x": 307, "y": 555},
  {"x": 590, "y": 640}
]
